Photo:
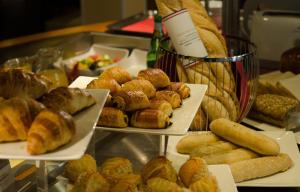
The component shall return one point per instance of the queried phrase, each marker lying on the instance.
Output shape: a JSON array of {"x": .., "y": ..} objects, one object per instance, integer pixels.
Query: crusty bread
[
  {"x": 243, "y": 136},
  {"x": 217, "y": 147},
  {"x": 230, "y": 156},
  {"x": 189, "y": 142},
  {"x": 260, "y": 167},
  {"x": 214, "y": 108}
]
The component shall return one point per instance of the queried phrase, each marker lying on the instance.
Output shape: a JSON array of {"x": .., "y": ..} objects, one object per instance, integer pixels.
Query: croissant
[
  {"x": 16, "y": 117},
  {"x": 70, "y": 100},
  {"x": 111, "y": 117},
  {"x": 74, "y": 168},
  {"x": 158, "y": 184},
  {"x": 159, "y": 167},
  {"x": 162, "y": 105},
  {"x": 140, "y": 85},
  {"x": 150, "y": 118},
  {"x": 130, "y": 100},
  {"x": 205, "y": 184},
  {"x": 22, "y": 83},
  {"x": 171, "y": 96},
  {"x": 193, "y": 170},
  {"x": 49, "y": 130},
  {"x": 181, "y": 88},
  {"x": 117, "y": 73},
  {"x": 110, "y": 84},
  {"x": 116, "y": 168},
  {"x": 127, "y": 183},
  {"x": 91, "y": 182},
  {"x": 156, "y": 76}
]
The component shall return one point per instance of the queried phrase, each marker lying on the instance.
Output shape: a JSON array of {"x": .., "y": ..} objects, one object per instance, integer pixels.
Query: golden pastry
[
  {"x": 130, "y": 100},
  {"x": 70, "y": 100},
  {"x": 16, "y": 116},
  {"x": 110, "y": 84},
  {"x": 150, "y": 118},
  {"x": 205, "y": 184},
  {"x": 91, "y": 182},
  {"x": 140, "y": 85},
  {"x": 156, "y": 76},
  {"x": 171, "y": 96},
  {"x": 193, "y": 170},
  {"x": 112, "y": 117},
  {"x": 158, "y": 184},
  {"x": 159, "y": 167},
  {"x": 181, "y": 88},
  {"x": 127, "y": 183},
  {"x": 22, "y": 83},
  {"x": 50, "y": 130},
  {"x": 162, "y": 105},
  {"x": 74, "y": 168},
  {"x": 118, "y": 73}
]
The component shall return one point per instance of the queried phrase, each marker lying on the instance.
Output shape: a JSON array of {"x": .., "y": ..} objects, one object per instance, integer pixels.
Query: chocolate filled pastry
[
  {"x": 140, "y": 85},
  {"x": 156, "y": 76},
  {"x": 50, "y": 130},
  {"x": 110, "y": 84},
  {"x": 150, "y": 118},
  {"x": 181, "y": 88},
  {"x": 162, "y": 105},
  {"x": 171, "y": 96},
  {"x": 70, "y": 100},
  {"x": 117, "y": 73},
  {"x": 108, "y": 102},
  {"x": 130, "y": 100},
  {"x": 112, "y": 117}
]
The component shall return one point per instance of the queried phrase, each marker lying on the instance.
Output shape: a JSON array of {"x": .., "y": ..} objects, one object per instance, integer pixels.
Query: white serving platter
[
  {"x": 85, "y": 122},
  {"x": 267, "y": 127},
  {"x": 181, "y": 119},
  {"x": 288, "y": 145}
]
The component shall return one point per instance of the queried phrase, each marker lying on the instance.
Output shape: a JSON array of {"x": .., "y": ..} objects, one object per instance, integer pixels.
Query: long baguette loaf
[
  {"x": 190, "y": 142},
  {"x": 243, "y": 136},
  {"x": 214, "y": 108},
  {"x": 213, "y": 149},
  {"x": 230, "y": 157},
  {"x": 260, "y": 167}
]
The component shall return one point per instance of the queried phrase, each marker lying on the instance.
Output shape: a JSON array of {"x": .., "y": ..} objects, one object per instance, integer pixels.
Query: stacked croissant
[
  {"x": 30, "y": 112},
  {"x": 116, "y": 175},
  {"x": 149, "y": 99},
  {"x": 220, "y": 100}
]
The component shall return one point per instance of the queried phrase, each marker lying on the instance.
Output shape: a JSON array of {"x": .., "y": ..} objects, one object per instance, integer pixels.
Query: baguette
[
  {"x": 243, "y": 136},
  {"x": 230, "y": 157},
  {"x": 213, "y": 148},
  {"x": 189, "y": 142},
  {"x": 214, "y": 108},
  {"x": 260, "y": 167}
]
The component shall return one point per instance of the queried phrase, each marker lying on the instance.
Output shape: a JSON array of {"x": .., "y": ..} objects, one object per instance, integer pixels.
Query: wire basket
[{"x": 231, "y": 80}]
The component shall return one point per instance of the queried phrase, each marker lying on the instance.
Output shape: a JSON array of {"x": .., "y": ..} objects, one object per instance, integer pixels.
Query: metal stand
[
  {"x": 166, "y": 144},
  {"x": 42, "y": 176}
]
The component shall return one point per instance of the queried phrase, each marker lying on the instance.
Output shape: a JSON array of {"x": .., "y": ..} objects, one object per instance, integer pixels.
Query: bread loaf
[
  {"x": 217, "y": 147},
  {"x": 214, "y": 108},
  {"x": 260, "y": 167},
  {"x": 189, "y": 142},
  {"x": 243, "y": 136},
  {"x": 230, "y": 156}
]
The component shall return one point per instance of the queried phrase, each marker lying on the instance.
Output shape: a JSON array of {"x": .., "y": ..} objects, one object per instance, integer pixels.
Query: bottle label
[{"x": 184, "y": 35}]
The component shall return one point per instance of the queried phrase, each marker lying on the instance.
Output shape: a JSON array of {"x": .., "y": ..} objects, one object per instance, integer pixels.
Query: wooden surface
[{"x": 98, "y": 27}]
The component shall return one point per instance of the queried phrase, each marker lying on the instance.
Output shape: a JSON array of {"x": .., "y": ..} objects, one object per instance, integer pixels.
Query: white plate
[
  {"x": 287, "y": 142},
  {"x": 85, "y": 122},
  {"x": 182, "y": 117},
  {"x": 267, "y": 127}
]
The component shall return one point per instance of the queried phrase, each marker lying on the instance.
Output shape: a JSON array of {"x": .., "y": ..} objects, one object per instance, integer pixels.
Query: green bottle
[{"x": 156, "y": 37}]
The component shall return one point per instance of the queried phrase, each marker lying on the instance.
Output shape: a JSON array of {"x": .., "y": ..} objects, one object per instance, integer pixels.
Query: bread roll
[
  {"x": 230, "y": 156},
  {"x": 260, "y": 167},
  {"x": 188, "y": 143},
  {"x": 246, "y": 137},
  {"x": 213, "y": 148}
]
